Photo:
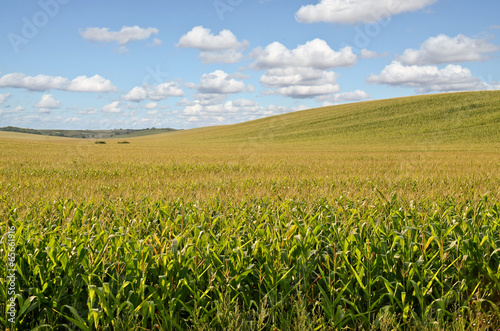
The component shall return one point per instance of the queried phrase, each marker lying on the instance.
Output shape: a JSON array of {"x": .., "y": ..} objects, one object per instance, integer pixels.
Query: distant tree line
[{"x": 22, "y": 130}]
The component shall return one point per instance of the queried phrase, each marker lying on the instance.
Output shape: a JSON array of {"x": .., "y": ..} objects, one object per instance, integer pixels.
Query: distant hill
[
  {"x": 449, "y": 118},
  {"x": 90, "y": 134}
]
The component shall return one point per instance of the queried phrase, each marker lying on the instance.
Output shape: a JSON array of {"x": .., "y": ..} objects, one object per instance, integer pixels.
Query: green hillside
[{"x": 472, "y": 117}]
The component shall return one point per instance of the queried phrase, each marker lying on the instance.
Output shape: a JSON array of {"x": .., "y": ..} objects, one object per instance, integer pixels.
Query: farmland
[{"x": 377, "y": 215}]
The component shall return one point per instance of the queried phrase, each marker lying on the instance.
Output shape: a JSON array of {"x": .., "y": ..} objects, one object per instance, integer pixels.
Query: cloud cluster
[
  {"x": 297, "y": 82},
  {"x": 44, "y": 82},
  {"x": 122, "y": 37},
  {"x": 301, "y": 72},
  {"x": 48, "y": 102},
  {"x": 444, "y": 49},
  {"x": 221, "y": 48},
  {"x": 112, "y": 108},
  {"x": 228, "y": 112},
  {"x": 428, "y": 78},
  {"x": 353, "y": 96},
  {"x": 220, "y": 82},
  {"x": 159, "y": 92},
  {"x": 357, "y": 11},
  {"x": 315, "y": 54}
]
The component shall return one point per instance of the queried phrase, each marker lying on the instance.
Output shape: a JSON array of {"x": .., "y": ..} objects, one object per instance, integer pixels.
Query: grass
[{"x": 299, "y": 227}]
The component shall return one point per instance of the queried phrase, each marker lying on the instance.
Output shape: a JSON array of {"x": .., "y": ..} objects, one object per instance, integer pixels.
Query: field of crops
[{"x": 184, "y": 231}]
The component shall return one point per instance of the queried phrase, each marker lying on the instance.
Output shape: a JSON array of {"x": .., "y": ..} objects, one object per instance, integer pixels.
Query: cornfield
[
  {"x": 206, "y": 230},
  {"x": 259, "y": 264}
]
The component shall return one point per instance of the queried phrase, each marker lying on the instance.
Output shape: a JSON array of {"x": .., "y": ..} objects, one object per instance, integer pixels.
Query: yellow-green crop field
[{"x": 379, "y": 215}]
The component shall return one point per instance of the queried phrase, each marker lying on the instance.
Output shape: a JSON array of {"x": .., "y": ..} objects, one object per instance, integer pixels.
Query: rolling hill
[
  {"x": 440, "y": 119},
  {"x": 451, "y": 118}
]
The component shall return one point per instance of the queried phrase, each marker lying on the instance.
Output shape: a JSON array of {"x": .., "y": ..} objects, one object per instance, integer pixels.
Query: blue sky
[{"x": 71, "y": 64}]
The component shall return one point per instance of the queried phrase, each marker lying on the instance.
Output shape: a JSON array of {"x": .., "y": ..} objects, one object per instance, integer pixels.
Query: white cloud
[
  {"x": 95, "y": 83},
  {"x": 315, "y": 54},
  {"x": 494, "y": 27},
  {"x": 152, "y": 113},
  {"x": 356, "y": 95},
  {"x": 36, "y": 83},
  {"x": 223, "y": 48},
  {"x": 206, "y": 99},
  {"x": 122, "y": 37},
  {"x": 87, "y": 111},
  {"x": 229, "y": 112},
  {"x": 48, "y": 102},
  {"x": 156, "y": 93},
  {"x": 157, "y": 42},
  {"x": 151, "y": 105},
  {"x": 429, "y": 78},
  {"x": 281, "y": 77},
  {"x": 300, "y": 82},
  {"x": 219, "y": 82},
  {"x": 356, "y": 11},
  {"x": 204, "y": 40},
  {"x": 301, "y": 91},
  {"x": 112, "y": 108},
  {"x": 4, "y": 97},
  {"x": 366, "y": 54},
  {"x": 165, "y": 90},
  {"x": 136, "y": 94},
  {"x": 444, "y": 49}
]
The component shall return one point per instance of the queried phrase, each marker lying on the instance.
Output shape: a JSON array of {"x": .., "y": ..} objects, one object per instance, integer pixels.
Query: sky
[{"x": 73, "y": 64}]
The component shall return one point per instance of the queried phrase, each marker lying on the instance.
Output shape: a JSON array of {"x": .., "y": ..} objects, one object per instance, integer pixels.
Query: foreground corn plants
[{"x": 257, "y": 264}]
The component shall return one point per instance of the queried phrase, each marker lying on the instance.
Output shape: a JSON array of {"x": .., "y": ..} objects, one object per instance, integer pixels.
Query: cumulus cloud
[
  {"x": 301, "y": 72},
  {"x": 356, "y": 11},
  {"x": 151, "y": 105},
  {"x": 302, "y": 92},
  {"x": 48, "y": 102},
  {"x": 112, "y": 108},
  {"x": 165, "y": 90},
  {"x": 314, "y": 54},
  {"x": 223, "y": 48},
  {"x": 203, "y": 39},
  {"x": 445, "y": 49},
  {"x": 36, "y": 83},
  {"x": 229, "y": 112},
  {"x": 4, "y": 97},
  {"x": 44, "y": 82},
  {"x": 428, "y": 78},
  {"x": 95, "y": 83},
  {"x": 159, "y": 92},
  {"x": 300, "y": 82},
  {"x": 353, "y": 96},
  {"x": 220, "y": 82},
  {"x": 87, "y": 111},
  {"x": 122, "y": 37}
]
